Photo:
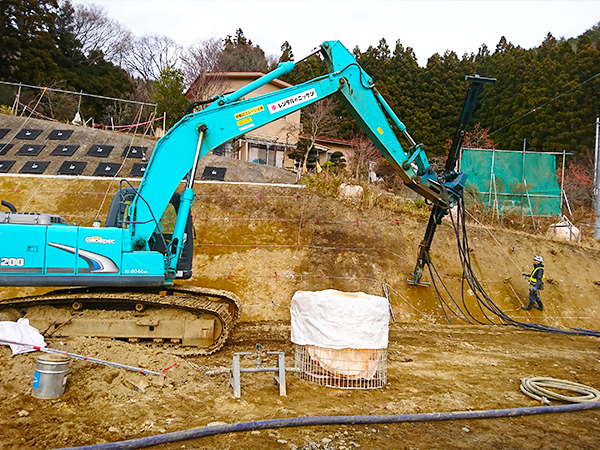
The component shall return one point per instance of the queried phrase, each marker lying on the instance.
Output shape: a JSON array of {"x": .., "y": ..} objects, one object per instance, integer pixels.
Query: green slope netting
[{"x": 509, "y": 181}]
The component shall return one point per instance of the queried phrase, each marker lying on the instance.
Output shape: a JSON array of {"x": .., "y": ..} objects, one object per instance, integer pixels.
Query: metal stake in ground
[
  {"x": 597, "y": 183},
  {"x": 87, "y": 358}
]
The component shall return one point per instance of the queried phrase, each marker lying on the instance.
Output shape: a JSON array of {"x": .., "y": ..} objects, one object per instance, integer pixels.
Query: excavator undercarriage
[{"x": 189, "y": 316}]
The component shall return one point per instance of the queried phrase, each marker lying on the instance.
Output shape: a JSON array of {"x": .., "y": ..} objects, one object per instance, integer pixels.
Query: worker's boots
[{"x": 534, "y": 302}]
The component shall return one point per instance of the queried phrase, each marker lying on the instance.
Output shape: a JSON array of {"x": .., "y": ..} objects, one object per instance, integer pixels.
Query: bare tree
[
  {"x": 365, "y": 154},
  {"x": 150, "y": 54},
  {"x": 200, "y": 69},
  {"x": 200, "y": 56},
  {"x": 99, "y": 34},
  {"x": 272, "y": 61},
  {"x": 240, "y": 54},
  {"x": 205, "y": 61},
  {"x": 318, "y": 120}
]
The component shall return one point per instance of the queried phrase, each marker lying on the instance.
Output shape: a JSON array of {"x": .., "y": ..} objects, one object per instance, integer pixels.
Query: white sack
[
  {"x": 352, "y": 364},
  {"x": 334, "y": 319},
  {"x": 21, "y": 331}
]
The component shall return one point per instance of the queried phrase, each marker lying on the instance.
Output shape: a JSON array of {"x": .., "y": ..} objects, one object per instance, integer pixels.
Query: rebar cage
[{"x": 347, "y": 368}]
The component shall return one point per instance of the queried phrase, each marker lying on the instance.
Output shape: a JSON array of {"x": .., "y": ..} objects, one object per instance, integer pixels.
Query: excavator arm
[
  {"x": 176, "y": 155},
  {"x": 128, "y": 264}
]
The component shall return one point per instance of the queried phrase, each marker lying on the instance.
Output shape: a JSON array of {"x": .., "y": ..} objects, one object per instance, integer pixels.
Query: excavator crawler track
[{"x": 144, "y": 314}]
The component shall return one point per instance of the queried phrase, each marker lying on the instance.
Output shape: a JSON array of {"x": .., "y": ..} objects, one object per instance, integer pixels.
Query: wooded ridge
[{"x": 548, "y": 95}]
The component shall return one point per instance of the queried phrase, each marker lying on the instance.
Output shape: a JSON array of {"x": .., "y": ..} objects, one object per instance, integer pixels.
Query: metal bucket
[{"x": 50, "y": 376}]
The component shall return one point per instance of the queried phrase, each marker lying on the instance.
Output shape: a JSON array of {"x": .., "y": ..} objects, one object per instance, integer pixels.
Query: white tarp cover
[
  {"x": 335, "y": 319},
  {"x": 20, "y": 331}
]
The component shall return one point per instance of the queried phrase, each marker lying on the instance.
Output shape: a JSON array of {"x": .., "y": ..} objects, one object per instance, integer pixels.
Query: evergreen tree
[
  {"x": 169, "y": 94},
  {"x": 91, "y": 74},
  {"x": 502, "y": 104},
  {"x": 306, "y": 70},
  {"x": 27, "y": 48},
  {"x": 286, "y": 52},
  {"x": 376, "y": 62},
  {"x": 403, "y": 82},
  {"x": 440, "y": 100},
  {"x": 239, "y": 54},
  {"x": 38, "y": 46},
  {"x": 64, "y": 36}
]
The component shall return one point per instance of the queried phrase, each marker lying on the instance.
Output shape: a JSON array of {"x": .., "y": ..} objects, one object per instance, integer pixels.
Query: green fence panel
[{"x": 510, "y": 181}]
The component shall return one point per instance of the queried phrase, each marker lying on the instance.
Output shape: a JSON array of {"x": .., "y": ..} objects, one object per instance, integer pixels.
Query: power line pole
[{"x": 597, "y": 183}]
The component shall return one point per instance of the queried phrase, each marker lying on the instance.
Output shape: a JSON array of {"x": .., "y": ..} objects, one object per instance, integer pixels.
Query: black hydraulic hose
[
  {"x": 468, "y": 272},
  {"x": 9, "y": 205},
  {"x": 463, "y": 279},
  {"x": 468, "y": 313},
  {"x": 191, "y": 106},
  {"x": 437, "y": 291},
  {"x": 463, "y": 256},
  {"x": 201, "y": 432},
  {"x": 137, "y": 193},
  {"x": 483, "y": 300}
]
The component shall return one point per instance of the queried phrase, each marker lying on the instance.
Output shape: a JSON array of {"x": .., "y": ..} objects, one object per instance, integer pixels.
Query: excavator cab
[{"x": 163, "y": 234}]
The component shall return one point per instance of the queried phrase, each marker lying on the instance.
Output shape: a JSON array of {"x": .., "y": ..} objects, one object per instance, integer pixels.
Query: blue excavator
[{"x": 129, "y": 265}]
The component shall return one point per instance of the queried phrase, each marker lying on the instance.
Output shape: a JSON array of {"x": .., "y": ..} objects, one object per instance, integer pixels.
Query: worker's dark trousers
[{"x": 534, "y": 300}]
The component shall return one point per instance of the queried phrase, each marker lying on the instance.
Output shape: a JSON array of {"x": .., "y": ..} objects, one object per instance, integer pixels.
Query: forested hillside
[
  {"x": 39, "y": 46},
  {"x": 548, "y": 95}
]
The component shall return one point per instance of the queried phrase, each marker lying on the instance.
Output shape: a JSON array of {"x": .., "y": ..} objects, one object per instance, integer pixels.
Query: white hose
[{"x": 534, "y": 388}]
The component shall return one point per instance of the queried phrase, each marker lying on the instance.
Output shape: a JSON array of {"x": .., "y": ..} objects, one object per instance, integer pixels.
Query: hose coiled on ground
[{"x": 535, "y": 388}]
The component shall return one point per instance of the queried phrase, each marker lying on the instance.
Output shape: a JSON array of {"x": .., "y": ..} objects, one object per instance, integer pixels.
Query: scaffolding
[{"x": 67, "y": 106}]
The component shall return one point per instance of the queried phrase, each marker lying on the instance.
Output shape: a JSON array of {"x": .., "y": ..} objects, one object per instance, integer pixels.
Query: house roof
[
  {"x": 251, "y": 76},
  {"x": 330, "y": 140}
]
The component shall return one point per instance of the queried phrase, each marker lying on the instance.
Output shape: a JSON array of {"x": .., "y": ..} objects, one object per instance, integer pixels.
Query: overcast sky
[{"x": 427, "y": 26}]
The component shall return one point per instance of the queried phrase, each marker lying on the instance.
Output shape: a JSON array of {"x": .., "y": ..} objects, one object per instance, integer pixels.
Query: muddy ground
[{"x": 265, "y": 243}]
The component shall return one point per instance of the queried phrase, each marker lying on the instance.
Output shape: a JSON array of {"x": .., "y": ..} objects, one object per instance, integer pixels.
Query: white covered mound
[{"x": 340, "y": 320}]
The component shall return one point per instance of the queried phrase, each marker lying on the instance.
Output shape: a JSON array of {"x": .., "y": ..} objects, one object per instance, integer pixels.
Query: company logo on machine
[
  {"x": 96, "y": 263},
  {"x": 98, "y": 240},
  {"x": 294, "y": 100}
]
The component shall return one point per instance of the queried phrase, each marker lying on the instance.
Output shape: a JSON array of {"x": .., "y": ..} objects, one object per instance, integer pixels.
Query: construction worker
[{"x": 536, "y": 284}]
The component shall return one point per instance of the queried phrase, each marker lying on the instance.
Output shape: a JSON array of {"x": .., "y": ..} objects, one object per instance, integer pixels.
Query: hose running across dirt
[{"x": 201, "y": 432}]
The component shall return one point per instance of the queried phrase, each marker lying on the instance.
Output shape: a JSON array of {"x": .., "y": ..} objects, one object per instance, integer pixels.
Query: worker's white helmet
[{"x": 538, "y": 258}]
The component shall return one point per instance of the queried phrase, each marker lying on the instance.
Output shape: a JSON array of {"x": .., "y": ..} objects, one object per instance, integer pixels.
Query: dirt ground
[
  {"x": 431, "y": 368},
  {"x": 263, "y": 244}
]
